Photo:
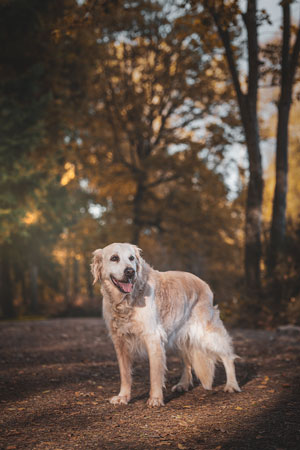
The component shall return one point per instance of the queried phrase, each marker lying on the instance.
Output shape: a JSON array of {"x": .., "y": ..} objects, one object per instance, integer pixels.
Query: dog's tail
[{"x": 204, "y": 367}]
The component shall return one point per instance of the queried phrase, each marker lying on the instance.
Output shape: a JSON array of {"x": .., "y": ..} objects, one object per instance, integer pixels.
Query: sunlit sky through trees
[{"x": 267, "y": 32}]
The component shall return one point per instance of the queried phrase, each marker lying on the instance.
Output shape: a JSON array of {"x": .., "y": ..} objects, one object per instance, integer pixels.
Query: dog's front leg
[
  {"x": 157, "y": 361},
  {"x": 124, "y": 359}
]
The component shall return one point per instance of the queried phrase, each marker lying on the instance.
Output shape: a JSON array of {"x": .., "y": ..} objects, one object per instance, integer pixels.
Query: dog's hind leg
[
  {"x": 204, "y": 367},
  {"x": 218, "y": 343},
  {"x": 186, "y": 379}
]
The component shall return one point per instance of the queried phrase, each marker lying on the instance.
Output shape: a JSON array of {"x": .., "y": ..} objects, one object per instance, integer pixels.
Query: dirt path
[{"x": 57, "y": 375}]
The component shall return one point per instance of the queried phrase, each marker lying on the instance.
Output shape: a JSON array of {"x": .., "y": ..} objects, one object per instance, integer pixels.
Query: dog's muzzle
[{"x": 126, "y": 284}]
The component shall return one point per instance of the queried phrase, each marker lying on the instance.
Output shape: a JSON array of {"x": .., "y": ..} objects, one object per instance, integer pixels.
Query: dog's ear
[
  {"x": 96, "y": 266},
  {"x": 137, "y": 252}
]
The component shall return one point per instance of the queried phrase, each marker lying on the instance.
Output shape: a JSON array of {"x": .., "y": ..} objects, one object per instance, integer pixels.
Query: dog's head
[{"x": 118, "y": 264}]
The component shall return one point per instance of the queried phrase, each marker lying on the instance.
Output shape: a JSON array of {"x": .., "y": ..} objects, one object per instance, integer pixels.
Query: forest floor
[{"x": 56, "y": 377}]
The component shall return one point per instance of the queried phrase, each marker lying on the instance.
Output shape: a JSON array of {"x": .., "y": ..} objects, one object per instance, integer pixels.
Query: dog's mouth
[{"x": 124, "y": 286}]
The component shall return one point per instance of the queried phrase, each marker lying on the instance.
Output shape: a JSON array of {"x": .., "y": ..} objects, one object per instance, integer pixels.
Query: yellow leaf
[
  {"x": 238, "y": 408},
  {"x": 68, "y": 175},
  {"x": 31, "y": 217}
]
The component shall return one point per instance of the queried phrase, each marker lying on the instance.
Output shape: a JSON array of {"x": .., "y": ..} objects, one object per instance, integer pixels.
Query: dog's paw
[
  {"x": 232, "y": 388},
  {"x": 180, "y": 387},
  {"x": 119, "y": 400},
  {"x": 155, "y": 401}
]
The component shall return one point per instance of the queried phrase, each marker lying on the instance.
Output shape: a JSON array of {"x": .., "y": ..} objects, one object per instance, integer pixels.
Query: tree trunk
[
  {"x": 253, "y": 206},
  {"x": 34, "y": 302},
  {"x": 289, "y": 64},
  {"x": 24, "y": 290},
  {"x": 88, "y": 277},
  {"x": 67, "y": 280},
  {"x": 279, "y": 201},
  {"x": 7, "y": 301},
  {"x": 248, "y": 109},
  {"x": 21, "y": 276},
  {"x": 75, "y": 267},
  {"x": 137, "y": 212}
]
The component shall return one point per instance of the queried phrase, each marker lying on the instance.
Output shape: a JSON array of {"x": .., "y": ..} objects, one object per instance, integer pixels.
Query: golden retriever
[{"x": 146, "y": 310}]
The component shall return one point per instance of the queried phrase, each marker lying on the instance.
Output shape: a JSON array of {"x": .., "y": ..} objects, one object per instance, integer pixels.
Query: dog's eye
[
  {"x": 115, "y": 258},
  {"x": 131, "y": 258}
]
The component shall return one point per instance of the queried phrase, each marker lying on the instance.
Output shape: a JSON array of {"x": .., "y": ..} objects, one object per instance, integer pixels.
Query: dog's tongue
[{"x": 127, "y": 287}]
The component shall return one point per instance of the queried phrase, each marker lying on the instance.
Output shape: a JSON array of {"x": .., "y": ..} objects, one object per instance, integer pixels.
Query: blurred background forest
[{"x": 168, "y": 124}]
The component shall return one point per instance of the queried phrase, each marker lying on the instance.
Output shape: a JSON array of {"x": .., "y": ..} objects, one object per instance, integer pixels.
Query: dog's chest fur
[
  {"x": 121, "y": 322},
  {"x": 128, "y": 315},
  {"x": 122, "y": 318}
]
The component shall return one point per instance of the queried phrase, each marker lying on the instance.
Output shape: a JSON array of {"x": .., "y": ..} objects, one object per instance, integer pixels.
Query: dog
[{"x": 146, "y": 310}]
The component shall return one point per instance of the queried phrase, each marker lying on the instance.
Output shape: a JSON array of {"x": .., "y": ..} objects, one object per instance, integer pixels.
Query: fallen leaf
[
  {"x": 183, "y": 424},
  {"x": 79, "y": 394},
  {"x": 238, "y": 408}
]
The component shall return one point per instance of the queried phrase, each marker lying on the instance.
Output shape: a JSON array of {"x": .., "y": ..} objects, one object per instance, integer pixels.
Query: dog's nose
[{"x": 129, "y": 272}]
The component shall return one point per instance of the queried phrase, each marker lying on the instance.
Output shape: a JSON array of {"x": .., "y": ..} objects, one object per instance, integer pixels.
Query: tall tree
[
  {"x": 148, "y": 93},
  {"x": 289, "y": 64},
  {"x": 225, "y": 19},
  {"x": 228, "y": 20}
]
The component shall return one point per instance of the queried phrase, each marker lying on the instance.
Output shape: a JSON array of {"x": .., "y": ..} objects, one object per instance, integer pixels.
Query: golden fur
[{"x": 160, "y": 309}]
